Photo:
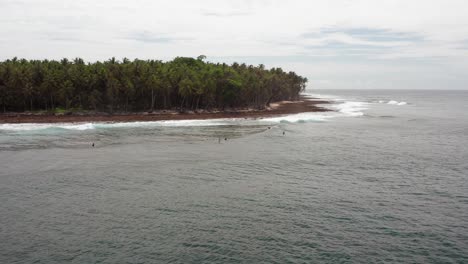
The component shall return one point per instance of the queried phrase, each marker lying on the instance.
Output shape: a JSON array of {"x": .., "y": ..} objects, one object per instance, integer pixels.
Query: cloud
[
  {"x": 148, "y": 37},
  {"x": 463, "y": 45},
  {"x": 376, "y": 34},
  {"x": 338, "y": 33},
  {"x": 224, "y": 14},
  {"x": 337, "y": 41}
]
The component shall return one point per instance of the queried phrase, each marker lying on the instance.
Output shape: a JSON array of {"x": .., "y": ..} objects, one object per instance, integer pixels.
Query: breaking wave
[
  {"x": 298, "y": 118},
  {"x": 351, "y": 108},
  {"x": 45, "y": 126},
  {"x": 392, "y": 102},
  {"x": 341, "y": 107},
  {"x": 104, "y": 125}
]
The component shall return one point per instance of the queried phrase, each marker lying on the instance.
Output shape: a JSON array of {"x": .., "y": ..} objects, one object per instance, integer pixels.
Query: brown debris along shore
[{"x": 276, "y": 109}]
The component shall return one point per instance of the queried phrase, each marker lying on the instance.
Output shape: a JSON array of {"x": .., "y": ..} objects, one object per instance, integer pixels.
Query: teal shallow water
[{"x": 389, "y": 185}]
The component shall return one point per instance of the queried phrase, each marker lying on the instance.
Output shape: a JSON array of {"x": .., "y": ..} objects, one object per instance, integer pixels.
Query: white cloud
[{"x": 370, "y": 32}]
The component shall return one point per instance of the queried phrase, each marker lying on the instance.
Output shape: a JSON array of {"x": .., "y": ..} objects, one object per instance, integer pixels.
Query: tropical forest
[{"x": 184, "y": 84}]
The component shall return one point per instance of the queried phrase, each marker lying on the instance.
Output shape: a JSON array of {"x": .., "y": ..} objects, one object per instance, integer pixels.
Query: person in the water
[{"x": 92, "y": 144}]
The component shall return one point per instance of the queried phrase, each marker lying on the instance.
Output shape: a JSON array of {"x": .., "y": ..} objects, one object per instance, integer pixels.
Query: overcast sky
[{"x": 376, "y": 44}]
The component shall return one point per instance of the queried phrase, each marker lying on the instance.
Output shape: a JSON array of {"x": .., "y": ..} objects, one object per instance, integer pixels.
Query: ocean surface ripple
[{"x": 382, "y": 179}]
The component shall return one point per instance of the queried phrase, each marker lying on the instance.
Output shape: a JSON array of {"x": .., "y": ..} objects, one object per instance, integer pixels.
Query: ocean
[{"x": 381, "y": 179}]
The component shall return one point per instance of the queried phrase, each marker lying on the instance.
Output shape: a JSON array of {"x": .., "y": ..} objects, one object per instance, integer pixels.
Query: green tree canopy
[{"x": 142, "y": 85}]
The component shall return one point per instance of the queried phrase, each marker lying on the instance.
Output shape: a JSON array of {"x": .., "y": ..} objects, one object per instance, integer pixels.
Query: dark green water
[{"x": 372, "y": 183}]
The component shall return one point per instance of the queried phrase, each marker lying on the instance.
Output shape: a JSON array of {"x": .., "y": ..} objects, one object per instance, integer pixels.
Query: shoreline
[{"x": 276, "y": 109}]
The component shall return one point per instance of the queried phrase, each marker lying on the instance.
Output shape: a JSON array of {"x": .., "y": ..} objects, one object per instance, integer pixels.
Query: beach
[{"x": 305, "y": 104}]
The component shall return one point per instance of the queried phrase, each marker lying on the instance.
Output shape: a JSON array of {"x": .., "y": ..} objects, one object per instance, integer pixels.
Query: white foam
[
  {"x": 90, "y": 126},
  {"x": 342, "y": 107},
  {"x": 84, "y": 126},
  {"x": 295, "y": 118},
  {"x": 351, "y": 108},
  {"x": 168, "y": 123},
  {"x": 39, "y": 126},
  {"x": 393, "y": 102}
]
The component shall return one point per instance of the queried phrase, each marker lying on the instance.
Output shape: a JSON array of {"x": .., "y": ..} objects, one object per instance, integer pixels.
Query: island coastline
[{"x": 304, "y": 104}]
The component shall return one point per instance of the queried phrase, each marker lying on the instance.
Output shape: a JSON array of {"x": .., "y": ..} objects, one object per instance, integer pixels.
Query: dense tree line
[{"x": 141, "y": 85}]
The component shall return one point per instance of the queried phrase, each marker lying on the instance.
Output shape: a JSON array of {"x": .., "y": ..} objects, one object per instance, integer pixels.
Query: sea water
[{"x": 381, "y": 178}]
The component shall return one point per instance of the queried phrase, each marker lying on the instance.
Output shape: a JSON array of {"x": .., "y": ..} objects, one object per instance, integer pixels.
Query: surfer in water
[{"x": 92, "y": 145}]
